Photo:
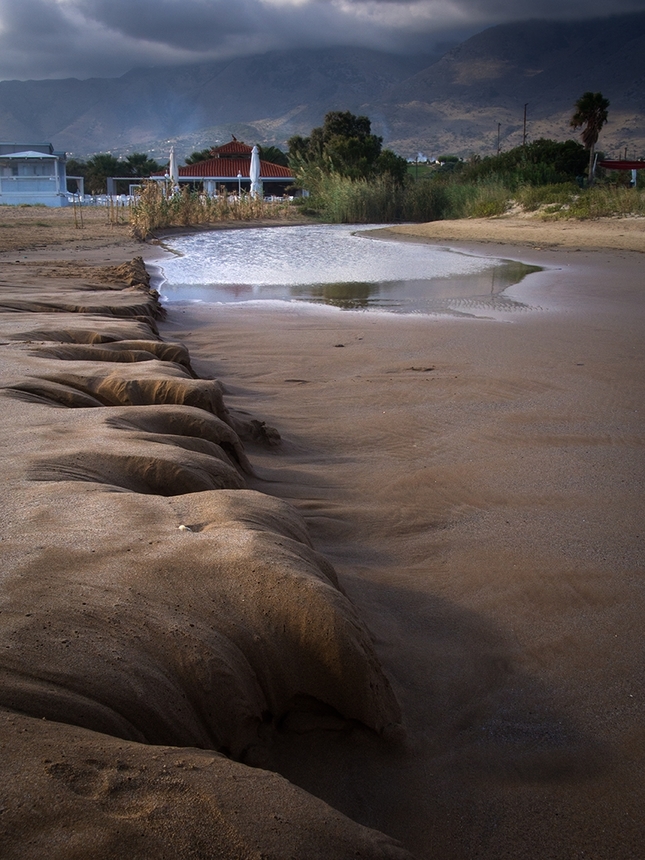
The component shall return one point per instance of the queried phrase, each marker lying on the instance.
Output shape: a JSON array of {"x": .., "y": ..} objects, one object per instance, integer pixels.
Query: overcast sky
[{"x": 88, "y": 38}]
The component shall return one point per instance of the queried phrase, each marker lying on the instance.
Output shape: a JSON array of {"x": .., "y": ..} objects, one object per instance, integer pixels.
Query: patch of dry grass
[
  {"x": 154, "y": 210},
  {"x": 28, "y": 228}
]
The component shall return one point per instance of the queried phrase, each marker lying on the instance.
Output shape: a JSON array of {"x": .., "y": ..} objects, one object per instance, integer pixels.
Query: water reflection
[
  {"x": 349, "y": 295},
  {"x": 455, "y": 293}
]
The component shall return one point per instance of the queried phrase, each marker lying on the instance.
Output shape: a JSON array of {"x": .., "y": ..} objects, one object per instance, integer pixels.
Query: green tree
[
  {"x": 75, "y": 167},
  {"x": 540, "y": 162},
  {"x": 349, "y": 144},
  {"x": 139, "y": 164},
  {"x": 390, "y": 164},
  {"x": 344, "y": 145},
  {"x": 199, "y": 155},
  {"x": 567, "y": 158},
  {"x": 99, "y": 167},
  {"x": 274, "y": 155},
  {"x": 590, "y": 115}
]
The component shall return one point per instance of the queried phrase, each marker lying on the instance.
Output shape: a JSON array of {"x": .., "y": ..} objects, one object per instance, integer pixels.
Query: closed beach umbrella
[
  {"x": 173, "y": 169},
  {"x": 254, "y": 172}
]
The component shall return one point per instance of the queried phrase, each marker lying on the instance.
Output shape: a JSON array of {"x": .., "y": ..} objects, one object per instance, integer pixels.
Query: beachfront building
[
  {"x": 229, "y": 168},
  {"x": 32, "y": 173}
]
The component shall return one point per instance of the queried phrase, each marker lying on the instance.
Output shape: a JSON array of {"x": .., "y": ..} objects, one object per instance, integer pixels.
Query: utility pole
[
  {"x": 524, "y": 135},
  {"x": 499, "y": 126}
]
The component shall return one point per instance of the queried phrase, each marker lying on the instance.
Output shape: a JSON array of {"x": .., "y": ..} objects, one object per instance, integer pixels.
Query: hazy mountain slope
[
  {"x": 448, "y": 104},
  {"x": 42, "y": 110},
  {"x": 295, "y": 88},
  {"x": 457, "y": 103}
]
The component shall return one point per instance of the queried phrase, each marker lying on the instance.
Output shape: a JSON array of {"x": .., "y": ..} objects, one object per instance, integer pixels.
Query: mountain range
[{"x": 463, "y": 102}]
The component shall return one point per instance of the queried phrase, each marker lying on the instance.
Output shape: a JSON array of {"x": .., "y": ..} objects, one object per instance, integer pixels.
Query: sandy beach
[{"x": 476, "y": 483}]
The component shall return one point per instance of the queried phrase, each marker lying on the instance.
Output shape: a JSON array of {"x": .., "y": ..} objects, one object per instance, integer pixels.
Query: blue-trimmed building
[{"x": 32, "y": 173}]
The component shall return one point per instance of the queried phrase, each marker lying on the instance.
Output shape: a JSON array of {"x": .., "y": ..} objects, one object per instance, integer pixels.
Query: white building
[{"x": 32, "y": 173}]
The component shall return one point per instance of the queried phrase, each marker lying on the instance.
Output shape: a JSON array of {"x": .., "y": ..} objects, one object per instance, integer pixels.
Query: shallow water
[{"x": 333, "y": 265}]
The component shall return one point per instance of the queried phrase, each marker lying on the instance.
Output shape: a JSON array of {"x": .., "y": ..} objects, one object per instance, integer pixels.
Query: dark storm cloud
[
  {"x": 192, "y": 25},
  {"x": 510, "y": 10},
  {"x": 56, "y": 38}
]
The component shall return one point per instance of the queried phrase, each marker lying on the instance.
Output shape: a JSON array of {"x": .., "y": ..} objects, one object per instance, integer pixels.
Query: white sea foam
[{"x": 314, "y": 254}]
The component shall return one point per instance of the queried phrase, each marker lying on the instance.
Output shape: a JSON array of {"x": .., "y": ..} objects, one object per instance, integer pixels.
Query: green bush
[
  {"x": 541, "y": 162},
  {"x": 531, "y": 197},
  {"x": 599, "y": 202}
]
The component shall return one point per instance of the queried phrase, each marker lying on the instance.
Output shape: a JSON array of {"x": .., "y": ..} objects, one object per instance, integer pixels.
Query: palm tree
[
  {"x": 199, "y": 155},
  {"x": 590, "y": 115},
  {"x": 98, "y": 168},
  {"x": 140, "y": 164}
]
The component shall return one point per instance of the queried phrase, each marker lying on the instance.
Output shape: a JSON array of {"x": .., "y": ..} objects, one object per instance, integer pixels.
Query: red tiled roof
[
  {"x": 228, "y": 168},
  {"x": 233, "y": 147}
]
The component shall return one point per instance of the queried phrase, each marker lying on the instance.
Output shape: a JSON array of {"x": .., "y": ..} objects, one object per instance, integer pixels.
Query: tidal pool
[{"x": 335, "y": 265}]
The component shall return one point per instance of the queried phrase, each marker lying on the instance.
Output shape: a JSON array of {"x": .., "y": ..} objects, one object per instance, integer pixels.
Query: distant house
[
  {"x": 32, "y": 173},
  {"x": 229, "y": 167}
]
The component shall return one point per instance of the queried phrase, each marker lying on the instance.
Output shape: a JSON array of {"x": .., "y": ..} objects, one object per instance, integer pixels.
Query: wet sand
[
  {"x": 478, "y": 485},
  {"x": 529, "y": 230}
]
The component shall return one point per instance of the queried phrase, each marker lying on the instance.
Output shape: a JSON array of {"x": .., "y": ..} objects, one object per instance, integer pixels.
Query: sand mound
[
  {"x": 196, "y": 638},
  {"x": 30, "y": 290},
  {"x": 128, "y": 350},
  {"x": 50, "y": 331},
  {"x": 130, "y": 274},
  {"x": 90, "y": 794},
  {"x": 148, "y": 597},
  {"x": 134, "y": 386}
]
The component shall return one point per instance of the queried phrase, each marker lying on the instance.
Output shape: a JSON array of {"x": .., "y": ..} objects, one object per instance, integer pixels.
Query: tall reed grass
[
  {"x": 338, "y": 199},
  {"x": 341, "y": 200},
  {"x": 482, "y": 199},
  {"x": 155, "y": 209}
]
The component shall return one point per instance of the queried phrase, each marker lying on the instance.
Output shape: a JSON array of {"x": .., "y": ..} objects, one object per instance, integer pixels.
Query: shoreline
[
  {"x": 478, "y": 489},
  {"x": 617, "y": 234}
]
